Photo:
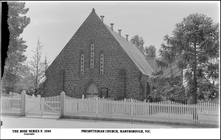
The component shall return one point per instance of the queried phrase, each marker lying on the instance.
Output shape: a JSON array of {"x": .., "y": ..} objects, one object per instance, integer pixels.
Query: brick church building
[{"x": 97, "y": 61}]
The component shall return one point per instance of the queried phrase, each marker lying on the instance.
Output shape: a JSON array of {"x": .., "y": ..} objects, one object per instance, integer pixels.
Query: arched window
[
  {"x": 82, "y": 63},
  {"x": 102, "y": 64},
  {"x": 92, "y": 56}
]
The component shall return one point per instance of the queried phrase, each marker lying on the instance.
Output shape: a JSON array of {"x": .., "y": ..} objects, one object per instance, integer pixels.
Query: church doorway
[{"x": 92, "y": 91}]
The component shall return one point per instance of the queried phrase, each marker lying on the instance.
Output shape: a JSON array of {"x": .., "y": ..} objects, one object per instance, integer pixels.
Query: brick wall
[{"x": 121, "y": 76}]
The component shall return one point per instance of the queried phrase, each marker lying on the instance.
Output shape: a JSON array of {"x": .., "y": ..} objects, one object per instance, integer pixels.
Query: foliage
[
  {"x": 194, "y": 46},
  {"x": 168, "y": 88},
  {"x": 25, "y": 80},
  {"x": 138, "y": 42},
  {"x": 167, "y": 55},
  {"x": 150, "y": 51},
  {"x": 197, "y": 42},
  {"x": 17, "y": 22}
]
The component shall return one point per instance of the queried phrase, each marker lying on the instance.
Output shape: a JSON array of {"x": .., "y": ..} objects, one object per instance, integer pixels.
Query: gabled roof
[
  {"x": 134, "y": 53},
  {"x": 166, "y": 71}
]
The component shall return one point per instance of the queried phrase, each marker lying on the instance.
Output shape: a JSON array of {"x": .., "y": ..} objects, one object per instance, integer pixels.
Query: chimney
[
  {"x": 102, "y": 18},
  {"x": 119, "y": 32},
  {"x": 112, "y": 26},
  {"x": 127, "y": 37}
]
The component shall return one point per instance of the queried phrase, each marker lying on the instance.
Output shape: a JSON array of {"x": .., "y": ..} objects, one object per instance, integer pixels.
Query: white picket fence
[
  {"x": 42, "y": 105},
  {"x": 167, "y": 111},
  {"x": 130, "y": 109},
  {"x": 51, "y": 105},
  {"x": 23, "y": 104},
  {"x": 11, "y": 104}
]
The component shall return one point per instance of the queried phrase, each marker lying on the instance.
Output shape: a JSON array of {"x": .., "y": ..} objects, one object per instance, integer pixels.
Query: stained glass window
[
  {"x": 101, "y": 63},
  {"x": 92, "y": 56},
  {"x": 82, "y": 63}
]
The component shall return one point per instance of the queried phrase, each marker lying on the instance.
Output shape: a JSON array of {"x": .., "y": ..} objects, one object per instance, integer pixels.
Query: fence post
[
  {"x": 96, "y": 106},
  {"x": 131, "y": 111},
  {"x": 23, "y": 97},
  {"x": 170, "y": 110},
  {"x": 62, "y": 104},
  {"x": 41, "y": 105}
]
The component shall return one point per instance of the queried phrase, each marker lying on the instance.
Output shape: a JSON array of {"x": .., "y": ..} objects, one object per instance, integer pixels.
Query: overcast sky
[{"x": 54, "y": 23}]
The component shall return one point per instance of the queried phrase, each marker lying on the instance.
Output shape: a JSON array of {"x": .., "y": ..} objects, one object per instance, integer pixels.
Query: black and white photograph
[{"x": 109, "y": 69}]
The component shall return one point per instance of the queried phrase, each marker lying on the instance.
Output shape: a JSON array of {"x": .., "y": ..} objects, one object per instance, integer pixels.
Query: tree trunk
[
  {"x": 195, "y": 75},
  {"x": 194, "y": 94}
]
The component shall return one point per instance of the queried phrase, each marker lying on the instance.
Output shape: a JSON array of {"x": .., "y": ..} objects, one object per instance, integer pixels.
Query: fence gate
[
  {"x": 51, "y": 106},
  {"x": 32, "y": 105},
  {"x": 37, "y": 106}
]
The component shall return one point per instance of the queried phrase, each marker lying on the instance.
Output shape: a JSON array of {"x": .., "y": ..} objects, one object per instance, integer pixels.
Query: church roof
[
  {"x": 166, "y": 71},
  {"x": 134, "y": 53}
]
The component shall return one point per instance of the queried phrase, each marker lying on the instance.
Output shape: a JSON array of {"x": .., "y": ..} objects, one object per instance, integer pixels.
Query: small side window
[
  {"x": 92, "y": 56},
  {"x": 102, "y": 64},
  {"x": 82, "y": 64}
]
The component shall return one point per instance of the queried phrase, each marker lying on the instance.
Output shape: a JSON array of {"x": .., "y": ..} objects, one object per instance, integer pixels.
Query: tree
[
  {"x": 150, "y": 51},
  {"x": 168, "y": 87},
  {"x": 26, "y": 81},
  {"x": 43, "y": 79},
  {"x": 194, "y": 47},
  {"x": 17, "y": 22},
  {"x": 46, "y": 63},
  {"x": 37, "y": 66},
  {"x": 138, "y": 42},
  {"x": 167, "y": 55},
  {"x": 197, "y": 43}
]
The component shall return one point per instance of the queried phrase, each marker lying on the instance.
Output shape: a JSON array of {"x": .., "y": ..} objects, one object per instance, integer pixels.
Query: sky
[{"x": 54, "y": 23}]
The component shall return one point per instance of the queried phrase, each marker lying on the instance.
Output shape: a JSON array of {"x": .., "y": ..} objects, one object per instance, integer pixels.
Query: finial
[{"x": 93, "y": 10}]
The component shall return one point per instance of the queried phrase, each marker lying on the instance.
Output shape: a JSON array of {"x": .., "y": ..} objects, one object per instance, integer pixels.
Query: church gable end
[{"x": 93, "y": 55}]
